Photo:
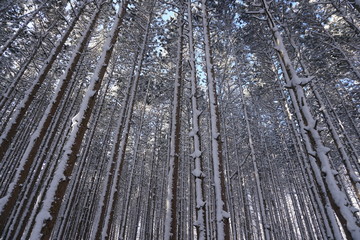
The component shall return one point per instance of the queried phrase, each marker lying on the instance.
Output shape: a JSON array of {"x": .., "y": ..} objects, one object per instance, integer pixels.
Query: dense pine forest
[{"x": 180, "y": 119}]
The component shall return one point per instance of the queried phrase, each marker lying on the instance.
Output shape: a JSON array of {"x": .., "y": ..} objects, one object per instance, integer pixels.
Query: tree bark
[
  {"x": 11, "y": 129},
  {"x": 46, "y": 217},
  {"x": 171, "y": 215},
  {"x": 221, "y": 215}
]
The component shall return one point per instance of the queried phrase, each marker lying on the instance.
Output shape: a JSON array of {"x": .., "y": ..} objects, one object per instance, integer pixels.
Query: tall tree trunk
[
  {"x": 171, "y": 215},
  {"x": 46, "y": 217},
  {"x": 112, "y": 166},
  {"x": 111, "y": 197},
  {"x": 43, "y": 126},
  {"x": 11, "y": 128},
  {"x": 135, "y": 160},
  {"x": 221, "y": 215},
  {"x": 264, "y": 224},
  {"x": 195, "y": 134},
  {"x": 315, "y": 147}
]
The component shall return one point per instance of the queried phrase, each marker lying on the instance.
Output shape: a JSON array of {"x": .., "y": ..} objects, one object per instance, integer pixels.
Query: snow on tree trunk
[
  {"x": 171, "y": 214},
  {"x": 134, "y": 166},
  {"x": 109, "y": 198},
  {"x": 221, "y": 215},
  {"x": 99, "y": 218},
  {"x": 110, "y": 216},
  {"x": 28, "y": 158},
  {"x": 315, "y": 147},
  {"x": 47, "y": 214},
  {"x": 323, "y": 217},
  {"x": 264, "y": 224},
  {"x": 195, "y": 134},
  {"x": 12, "y": 126}
]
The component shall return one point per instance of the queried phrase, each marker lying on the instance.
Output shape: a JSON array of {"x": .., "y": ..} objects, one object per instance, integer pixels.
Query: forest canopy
[{"x": 179, "y": 119}]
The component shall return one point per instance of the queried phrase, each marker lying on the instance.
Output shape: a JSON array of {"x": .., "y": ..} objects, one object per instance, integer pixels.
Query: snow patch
[
  {"x": 196, "y": 154},
  {"x": 226, "y": 214},
  {"x": 197, "y": 173},
  {"x": 200, "y": 204}
]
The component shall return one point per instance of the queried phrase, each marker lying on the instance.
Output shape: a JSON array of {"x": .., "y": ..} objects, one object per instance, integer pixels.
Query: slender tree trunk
[
  {"x": 46, "y": 217},
  {"x": 11, "y": 129},
  {"x": 81, "y": 175},
  {"x": 354, "y": 125},
  {"x": 124, "y": 223},
  {"x": 221, "y": 215},
  {"x": 171, "y": 215},
  {"x": 43, "y": 126},
  {"x": 325, "y": 217},
  {"x": 195, "y": 134},
  {"x": 264, "y": 224},
  {"x": 112, "y": 166},
  {"x": 111, "y": 197},
  {"x": 151, "y": 186},
  {"x": 315, "y": 147},
  {"x": 340, "y": 147}
]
